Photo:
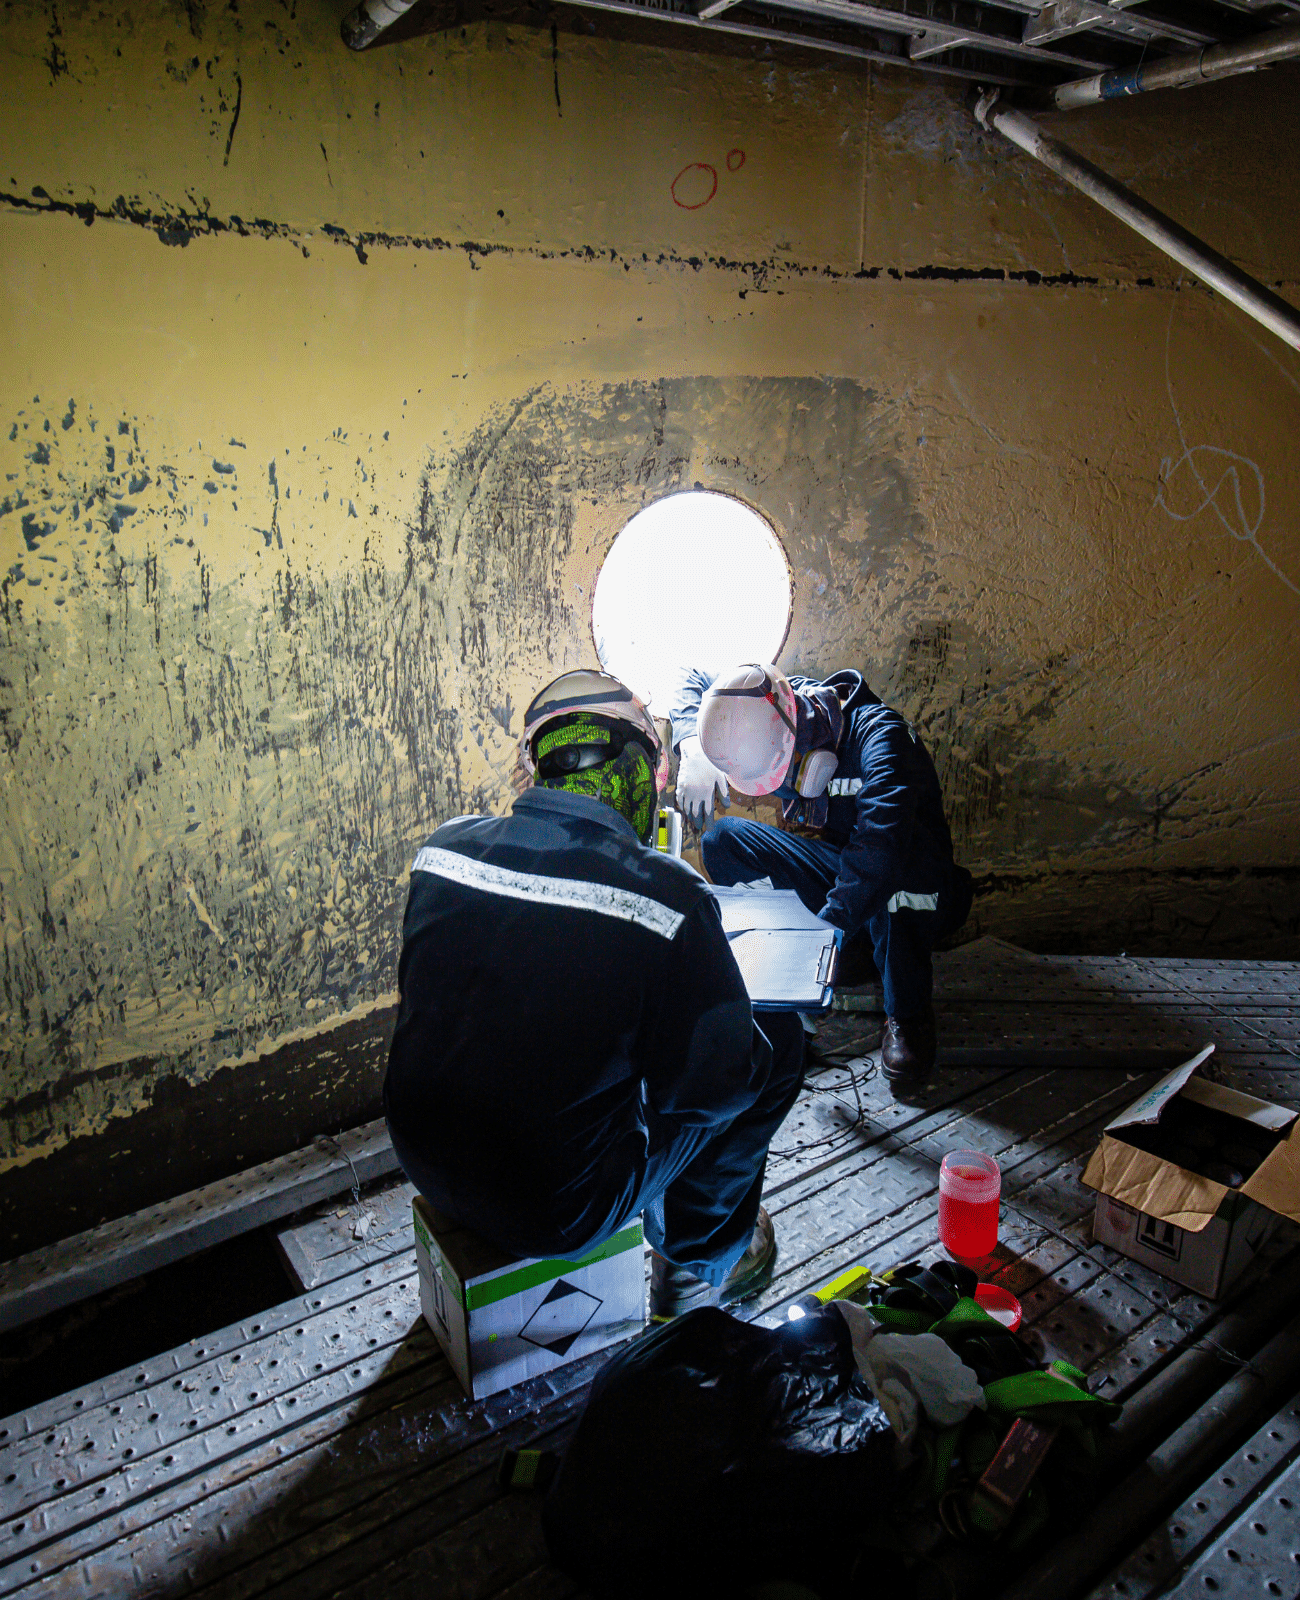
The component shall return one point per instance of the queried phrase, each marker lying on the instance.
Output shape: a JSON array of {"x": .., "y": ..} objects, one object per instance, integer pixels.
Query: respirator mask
[
  {"x": 813, "y": 772},
  {"x": 816, "y": 756}
]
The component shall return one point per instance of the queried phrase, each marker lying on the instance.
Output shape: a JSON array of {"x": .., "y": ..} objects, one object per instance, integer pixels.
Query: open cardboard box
[{"x": 1178, "y": 1221}]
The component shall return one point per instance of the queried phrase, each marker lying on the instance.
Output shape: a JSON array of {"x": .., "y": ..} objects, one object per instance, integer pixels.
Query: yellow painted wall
[{"x": 328, "y": 380}]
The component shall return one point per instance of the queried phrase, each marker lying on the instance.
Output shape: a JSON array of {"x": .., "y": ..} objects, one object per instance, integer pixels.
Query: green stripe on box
[
  {"x": 438, "y": 1263},
  {"x": 488, "y": 1292}
]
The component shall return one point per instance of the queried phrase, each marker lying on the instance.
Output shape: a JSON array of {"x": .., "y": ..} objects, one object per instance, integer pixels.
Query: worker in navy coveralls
[
  {"x": 874, "y": 856},
  {"x": 575, "y": 1044}
]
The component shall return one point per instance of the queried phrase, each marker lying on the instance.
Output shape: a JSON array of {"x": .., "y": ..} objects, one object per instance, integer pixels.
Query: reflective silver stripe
[
  {"x": 905, "y": 900},
  {"x": 571, "y": 893},
  {"x": 843, "y": 786}
]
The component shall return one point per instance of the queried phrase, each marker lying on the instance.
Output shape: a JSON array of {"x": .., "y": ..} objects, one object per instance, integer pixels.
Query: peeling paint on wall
[{"x": 202, "y": 778}]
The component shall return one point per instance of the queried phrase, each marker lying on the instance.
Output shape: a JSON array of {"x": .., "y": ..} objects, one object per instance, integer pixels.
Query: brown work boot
[
  {"x": 673, "y": 1290},
  {"x": 907, "y": 1051}
]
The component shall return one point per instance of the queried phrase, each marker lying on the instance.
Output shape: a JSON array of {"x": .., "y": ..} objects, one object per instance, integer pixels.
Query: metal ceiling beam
[
  {"x": 1061, "y": 18},
  {"x": 921, "y": 46},
  {"x": 919, "y": 28},
  {"x": 726, "y": 21},
  {"x": 903, "y": 32},
  {"x": 981, "y": 74},
  {"x": 958, "y": 24},
  {"x": 369, "y": 20}
]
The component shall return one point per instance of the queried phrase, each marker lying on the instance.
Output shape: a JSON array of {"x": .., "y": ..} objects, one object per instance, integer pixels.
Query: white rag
[{"x": 911, "y": 1373}]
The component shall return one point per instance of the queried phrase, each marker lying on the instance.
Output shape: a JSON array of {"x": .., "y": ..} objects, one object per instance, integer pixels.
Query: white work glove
[{"x": 697, "y": 778}]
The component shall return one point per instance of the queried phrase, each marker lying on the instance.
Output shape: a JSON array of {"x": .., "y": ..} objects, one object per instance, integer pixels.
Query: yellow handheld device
[{"x": 668, "y": 831}]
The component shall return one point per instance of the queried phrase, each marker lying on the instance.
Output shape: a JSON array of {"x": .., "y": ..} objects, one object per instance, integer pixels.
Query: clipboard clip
[{"x": 827, "y": 964}]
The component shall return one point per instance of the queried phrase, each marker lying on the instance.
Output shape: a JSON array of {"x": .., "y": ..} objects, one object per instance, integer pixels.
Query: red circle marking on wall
[
  {"x": 694, "y": 180},
  {"x": 735, "y": 160}
]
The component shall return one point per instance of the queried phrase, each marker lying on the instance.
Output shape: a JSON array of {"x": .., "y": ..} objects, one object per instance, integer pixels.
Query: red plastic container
[
  {"x": 970, "y": 1186},
  {"x": 999, "y": 1303}
]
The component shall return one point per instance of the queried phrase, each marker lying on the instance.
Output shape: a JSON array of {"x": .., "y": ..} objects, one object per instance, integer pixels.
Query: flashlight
[{"x": 842, "y": 1288}]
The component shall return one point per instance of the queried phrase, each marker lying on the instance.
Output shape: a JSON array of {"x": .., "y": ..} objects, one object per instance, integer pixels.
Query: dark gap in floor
[{"x": 141, "y": 1319}]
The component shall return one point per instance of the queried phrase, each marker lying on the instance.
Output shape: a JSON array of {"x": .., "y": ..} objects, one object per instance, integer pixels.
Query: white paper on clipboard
[{"x": 786, "y": 955}]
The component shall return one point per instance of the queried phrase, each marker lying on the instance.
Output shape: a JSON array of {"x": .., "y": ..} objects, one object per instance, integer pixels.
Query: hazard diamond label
[{"x": 560, "y": 1318}]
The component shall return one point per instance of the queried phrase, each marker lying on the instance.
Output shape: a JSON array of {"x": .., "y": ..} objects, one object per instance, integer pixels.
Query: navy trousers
[
  {"x": 702, "y": 1187},
  {"x": 736, "y": 850},
  {"x": 698, "y": 1187}
]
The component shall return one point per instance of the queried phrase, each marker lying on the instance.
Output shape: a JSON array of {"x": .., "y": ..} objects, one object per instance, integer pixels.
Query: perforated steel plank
[
  {"x": 363, "y": 1471},
  {"x": 851, "y": 1222},
  {"x": 117, "y": 1402},
  {"x": 100, "y": 1258},
  {"x": 98, "y": 1476},
  {"x": 1255, "y": 1489},
  {"x": 332, "y": 1240},
  {"x": 543, "y": 1583},
  {"x": 257, "y": 1426},
  {"x": 1259, "y": 1555},
  {"x": 299, "y": 1512},
  {"x": 475, "y": 1558}
]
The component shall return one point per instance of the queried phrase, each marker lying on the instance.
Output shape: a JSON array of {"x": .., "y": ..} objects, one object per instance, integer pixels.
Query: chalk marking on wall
[
  {"x": 1032, "y": 183},
  {"x": 1265, "y": 349},
  {"x": 1260, "y": 746},
  {"x": 1243, "y": 528},
  {"x": 969, "y": 409},
  {"x": 865, "y": 186}
]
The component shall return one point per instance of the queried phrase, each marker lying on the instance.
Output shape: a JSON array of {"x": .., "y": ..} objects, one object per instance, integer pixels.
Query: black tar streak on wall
[{"x": 179, "y": 227}]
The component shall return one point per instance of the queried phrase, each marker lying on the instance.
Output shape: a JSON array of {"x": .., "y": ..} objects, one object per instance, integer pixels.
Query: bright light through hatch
[{"x": 696, "y": 580}]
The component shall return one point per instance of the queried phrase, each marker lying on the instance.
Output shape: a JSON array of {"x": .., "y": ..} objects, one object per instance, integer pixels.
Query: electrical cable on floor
[
  {"x": 824, "y": 1063},
  {"x": 1205, "y": 1343},
  {"x": 855, "y": 1082},
  {"x": 327, "y": 1141}
]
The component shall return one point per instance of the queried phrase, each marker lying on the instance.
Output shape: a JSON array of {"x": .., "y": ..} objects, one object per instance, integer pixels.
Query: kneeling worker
[
  {"x": 575, "y": 1044},
  {"x": 875, "y": 857}
]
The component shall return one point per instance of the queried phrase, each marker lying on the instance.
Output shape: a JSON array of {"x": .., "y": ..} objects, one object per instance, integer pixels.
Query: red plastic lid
[{"x": 999, "y": 1303}]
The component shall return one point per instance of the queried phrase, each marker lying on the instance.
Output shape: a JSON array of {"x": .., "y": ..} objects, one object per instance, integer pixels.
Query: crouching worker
[
  {"x": 575, "y": 1044},
  {"x": 874, "y": 855}
]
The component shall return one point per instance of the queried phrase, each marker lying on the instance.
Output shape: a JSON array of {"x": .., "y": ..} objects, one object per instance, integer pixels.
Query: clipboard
[{"x": 787, "y": 956}]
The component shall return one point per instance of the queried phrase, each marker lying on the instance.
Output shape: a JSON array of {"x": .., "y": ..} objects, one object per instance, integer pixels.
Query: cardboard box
[
  {"x": 1175, "y": 1219},
  {"x": 501, "y": 1319}
]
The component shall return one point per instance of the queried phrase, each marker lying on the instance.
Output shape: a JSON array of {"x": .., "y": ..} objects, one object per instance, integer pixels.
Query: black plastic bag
[{"x": 714, "y": 1455}]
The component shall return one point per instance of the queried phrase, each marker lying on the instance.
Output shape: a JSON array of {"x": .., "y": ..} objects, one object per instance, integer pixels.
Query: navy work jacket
[
  {"x": 568, "y": 1000},
  {"x": 885, "y": 812}
]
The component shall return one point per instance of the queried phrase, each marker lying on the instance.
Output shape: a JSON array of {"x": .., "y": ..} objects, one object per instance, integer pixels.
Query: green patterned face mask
[{"x": 585, "y": 755}]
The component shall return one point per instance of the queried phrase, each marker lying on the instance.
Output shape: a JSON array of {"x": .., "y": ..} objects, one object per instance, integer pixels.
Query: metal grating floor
[{"x": 325, "y": 1448}]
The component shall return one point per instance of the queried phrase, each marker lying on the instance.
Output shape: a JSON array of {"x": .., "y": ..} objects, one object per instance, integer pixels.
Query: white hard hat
[{"x": 747, "y": 726}]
